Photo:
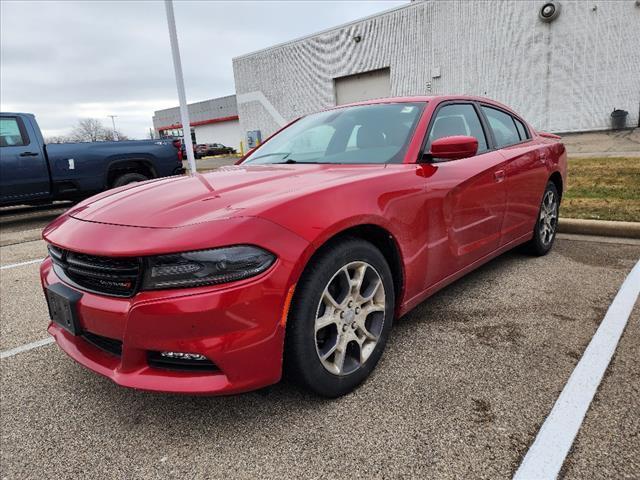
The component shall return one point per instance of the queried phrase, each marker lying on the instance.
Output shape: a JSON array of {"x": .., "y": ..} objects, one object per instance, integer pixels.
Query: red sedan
[{"x": 300, "y": 257}]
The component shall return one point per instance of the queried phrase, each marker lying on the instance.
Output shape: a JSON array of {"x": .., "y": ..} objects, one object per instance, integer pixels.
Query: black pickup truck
[{"x": 32, "y": 172}]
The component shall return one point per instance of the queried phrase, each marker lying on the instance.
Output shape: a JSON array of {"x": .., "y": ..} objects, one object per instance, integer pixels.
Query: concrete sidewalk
[{"x": 611, "y": 143}]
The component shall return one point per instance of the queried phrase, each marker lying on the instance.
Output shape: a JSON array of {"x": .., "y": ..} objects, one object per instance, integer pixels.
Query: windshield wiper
[
  {"x": 290, "y": 160},
  {"x": 284, "y": 154}
]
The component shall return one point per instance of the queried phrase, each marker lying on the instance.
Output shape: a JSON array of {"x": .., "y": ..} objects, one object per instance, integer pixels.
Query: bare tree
[
  {"x": 111, "y": 135},
  {"x": 92, "y": 130},
  {"x": 88, "y": 130}
]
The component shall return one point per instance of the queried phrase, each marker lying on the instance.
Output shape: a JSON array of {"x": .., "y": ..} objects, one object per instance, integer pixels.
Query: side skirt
[{"x": 419, "y": 298}]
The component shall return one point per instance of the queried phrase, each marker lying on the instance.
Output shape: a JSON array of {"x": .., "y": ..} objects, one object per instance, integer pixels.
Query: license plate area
[{"x": 63, "y": 307}]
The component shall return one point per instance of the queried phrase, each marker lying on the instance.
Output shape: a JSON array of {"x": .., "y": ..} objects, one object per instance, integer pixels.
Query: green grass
[{"x": 603, "y": 189}]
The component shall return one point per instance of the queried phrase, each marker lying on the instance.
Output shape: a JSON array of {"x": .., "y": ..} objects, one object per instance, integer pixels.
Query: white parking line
[
  {"x": 551, "y": 446},
  {"x": 14, "y": 265},
  {"x": 26, "y": 348}
]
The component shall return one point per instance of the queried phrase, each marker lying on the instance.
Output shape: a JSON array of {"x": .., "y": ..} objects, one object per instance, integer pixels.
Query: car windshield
[{"x": 377, "y": 133}]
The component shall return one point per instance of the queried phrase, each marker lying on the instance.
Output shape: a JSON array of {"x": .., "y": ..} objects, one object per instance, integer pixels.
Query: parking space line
[
  {"x": 551, "y": 446},
  {"x": 20, "y": 264},
  {"x": 26, "y": 347}
]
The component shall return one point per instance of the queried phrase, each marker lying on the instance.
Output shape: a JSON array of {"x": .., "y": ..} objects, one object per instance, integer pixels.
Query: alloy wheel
[
  {"x": 350, "y": 318},
  {"x": 548, "y": 220}
]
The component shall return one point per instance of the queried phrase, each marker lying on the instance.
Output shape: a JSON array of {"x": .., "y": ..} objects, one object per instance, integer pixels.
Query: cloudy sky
[{"x": 67, "y": 60}]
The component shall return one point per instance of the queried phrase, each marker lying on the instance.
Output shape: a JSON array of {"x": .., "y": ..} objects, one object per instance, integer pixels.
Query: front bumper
[{"x": 237, "y": 326}]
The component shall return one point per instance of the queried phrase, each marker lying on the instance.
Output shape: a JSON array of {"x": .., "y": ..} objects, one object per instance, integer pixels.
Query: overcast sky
[{"x": 67, "y": 60}]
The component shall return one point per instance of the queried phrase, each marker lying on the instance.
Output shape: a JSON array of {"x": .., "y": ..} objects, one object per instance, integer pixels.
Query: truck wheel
[{"x": 129, "y": 178}]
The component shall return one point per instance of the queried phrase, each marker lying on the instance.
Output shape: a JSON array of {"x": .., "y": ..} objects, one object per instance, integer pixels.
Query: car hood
[{"x": 233, "y": 191}]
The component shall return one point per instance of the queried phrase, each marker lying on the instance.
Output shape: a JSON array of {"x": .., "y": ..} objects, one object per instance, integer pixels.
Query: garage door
[{"x": 363, "y": 86}]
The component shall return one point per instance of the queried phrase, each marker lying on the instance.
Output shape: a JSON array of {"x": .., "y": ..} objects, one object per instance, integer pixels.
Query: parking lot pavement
[
  {"x": 467, "y": 379},
  {"x": 609, "y": 441},
  {"x": 211, "y": 163}
]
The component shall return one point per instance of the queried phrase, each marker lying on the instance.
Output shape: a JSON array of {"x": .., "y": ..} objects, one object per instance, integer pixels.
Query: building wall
[
  {"x": 567, "y": 75},
  {"x": 227, "y": 133},
  {"x": 200, "y": 111}
]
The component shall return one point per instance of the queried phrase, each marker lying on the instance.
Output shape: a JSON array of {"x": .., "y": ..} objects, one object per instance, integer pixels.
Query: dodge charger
[{"x": 298, "y": 259}]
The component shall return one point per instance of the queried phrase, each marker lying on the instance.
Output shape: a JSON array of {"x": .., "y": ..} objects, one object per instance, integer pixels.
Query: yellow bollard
[{"x": 241, "y": 148}]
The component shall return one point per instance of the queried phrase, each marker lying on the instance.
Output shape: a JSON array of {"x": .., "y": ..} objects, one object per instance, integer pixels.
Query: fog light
[{"x": 183, "y": 356}]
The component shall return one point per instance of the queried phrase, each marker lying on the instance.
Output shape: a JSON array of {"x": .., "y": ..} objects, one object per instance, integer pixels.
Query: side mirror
[{"x": 454, "y": 148}]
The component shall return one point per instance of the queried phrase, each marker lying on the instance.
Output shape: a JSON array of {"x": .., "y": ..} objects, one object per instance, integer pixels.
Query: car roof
[
  {"x": 428, "y": 98},
  {"x": 421, "y": 98}
]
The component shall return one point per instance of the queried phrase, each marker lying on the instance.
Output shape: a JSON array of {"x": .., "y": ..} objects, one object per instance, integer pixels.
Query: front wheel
[
  {"x": 340, "y": 318},
  {"x": 544, "y": 232}
]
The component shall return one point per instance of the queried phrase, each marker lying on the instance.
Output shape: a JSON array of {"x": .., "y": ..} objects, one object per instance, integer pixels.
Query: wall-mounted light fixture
[{"x": 549, "y": 11}]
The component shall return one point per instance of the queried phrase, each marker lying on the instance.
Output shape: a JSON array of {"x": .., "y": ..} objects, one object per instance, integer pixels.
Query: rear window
[
  {"x": 522, "y": 131},
  {"x": 376, "y": 133},
  {"x": 503, "y": 127},
  {"x": 10, "y": 134}
]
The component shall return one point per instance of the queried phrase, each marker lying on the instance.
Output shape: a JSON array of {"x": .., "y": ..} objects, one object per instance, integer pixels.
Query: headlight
[{"x": 205, "y": 267}]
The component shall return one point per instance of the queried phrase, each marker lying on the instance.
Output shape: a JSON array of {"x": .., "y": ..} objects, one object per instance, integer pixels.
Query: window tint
[
  {"x": 10, "y": 135},
  {"x": 503, "y": 127},
  {"x": 522, "y": 131},
  {"x": 457, "y": 120}
]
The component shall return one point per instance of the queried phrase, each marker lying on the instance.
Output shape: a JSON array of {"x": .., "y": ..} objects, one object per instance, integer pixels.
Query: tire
[
  {"x": 544, "y": 231},
  {"x": 354, "y": 336},
  {"x": 128, "y": 178}
]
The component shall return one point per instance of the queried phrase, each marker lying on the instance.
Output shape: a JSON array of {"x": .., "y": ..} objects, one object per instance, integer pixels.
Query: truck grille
[{"x": 113, "y": 276}]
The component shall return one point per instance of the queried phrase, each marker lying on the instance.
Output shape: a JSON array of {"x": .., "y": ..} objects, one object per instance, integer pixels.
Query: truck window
[{"x": 10, "y": 133}]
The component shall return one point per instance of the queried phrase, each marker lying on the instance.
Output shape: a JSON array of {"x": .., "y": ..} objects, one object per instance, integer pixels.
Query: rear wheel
[
  {"x": 127, "y": 178},
  {"x": 544, "y": 232},
  {"x": 340, "y": 319}
]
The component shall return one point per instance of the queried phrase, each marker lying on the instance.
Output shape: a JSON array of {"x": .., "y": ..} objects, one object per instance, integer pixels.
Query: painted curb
[{"x": 605, "y": 228}]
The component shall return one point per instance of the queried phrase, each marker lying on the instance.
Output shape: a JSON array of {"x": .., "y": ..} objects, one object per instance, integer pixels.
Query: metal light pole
[
  {"x": 113, "y": 122},
  {"x": 182, "y": 97}
]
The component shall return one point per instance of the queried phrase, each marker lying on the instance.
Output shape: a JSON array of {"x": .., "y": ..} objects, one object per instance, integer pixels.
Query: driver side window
[
  {"x": 457, "y": 119},
  {"x": 10, "y": 134}
]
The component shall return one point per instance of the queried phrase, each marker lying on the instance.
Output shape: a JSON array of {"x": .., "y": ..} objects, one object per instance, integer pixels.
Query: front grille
[
  {"x": 107, "y": 275},
  {"x": 106, "y": 344},
  {"x": 155, "y": 360}
]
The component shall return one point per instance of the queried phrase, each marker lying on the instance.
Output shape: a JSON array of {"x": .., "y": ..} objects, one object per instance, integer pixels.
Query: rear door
[
  {"x": 24, "y": 174},
  {"x": 526, "y": 172},
  {"x": 474, "y": 196}
]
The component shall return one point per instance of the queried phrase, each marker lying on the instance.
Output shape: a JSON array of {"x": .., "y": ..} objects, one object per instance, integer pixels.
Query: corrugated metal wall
[{"x": 567, "y": 75}]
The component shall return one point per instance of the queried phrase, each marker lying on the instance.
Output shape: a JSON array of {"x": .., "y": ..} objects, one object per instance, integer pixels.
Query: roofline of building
[
  {"x": 412, "y": 4},
  {"x": 201, "y": 122},
  {"x": 193, "y": 103}
]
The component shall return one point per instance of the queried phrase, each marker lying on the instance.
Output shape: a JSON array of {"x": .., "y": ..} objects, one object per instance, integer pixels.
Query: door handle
[
  {"x": 29, "y": 154},
  {"x": 498, "y": 176}
]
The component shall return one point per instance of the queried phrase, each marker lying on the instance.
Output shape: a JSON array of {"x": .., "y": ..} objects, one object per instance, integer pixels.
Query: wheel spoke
[
  {"x": 367, "y": 334},
  {"x": 325, "y": 320},
  {"x": 329, "y": 301},
  {"x": 338, "y": 359},
  {"x": 330, "y": 352},
  {"x": 358, "y": 277},
  {"x": 372, "y": 307},
  {"x": 342, "y": 304}
]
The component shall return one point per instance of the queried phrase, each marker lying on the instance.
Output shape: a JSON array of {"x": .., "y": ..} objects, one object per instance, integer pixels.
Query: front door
[
  {"x": 24, "y": 174},
  {"x": 473, "y": 194}
]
